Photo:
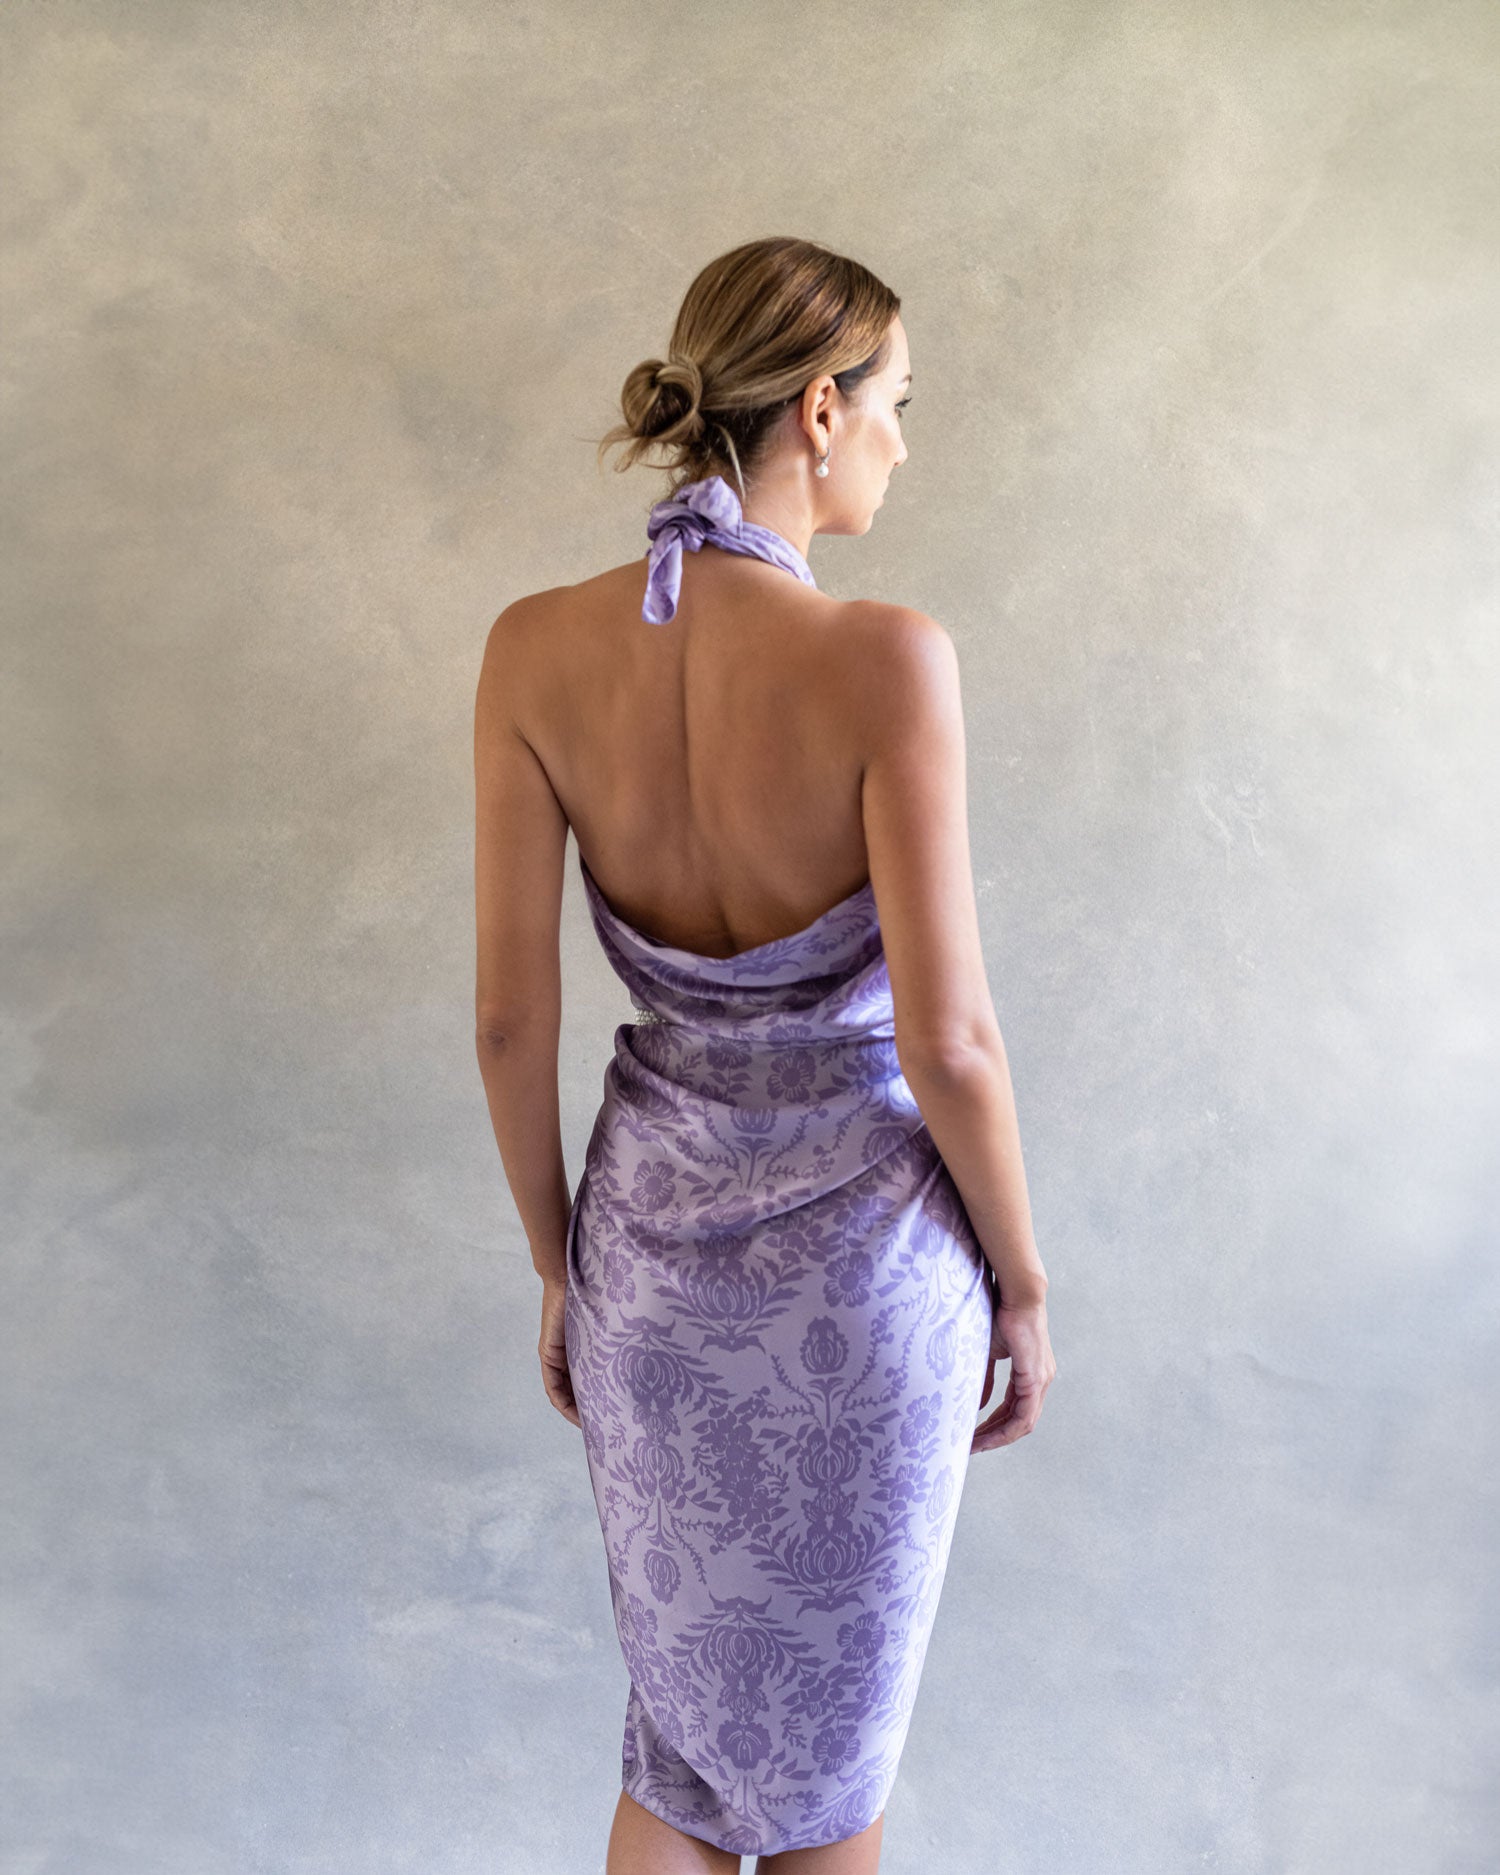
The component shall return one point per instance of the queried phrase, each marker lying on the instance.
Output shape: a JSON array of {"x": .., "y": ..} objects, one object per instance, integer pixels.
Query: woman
[{"x": 802, "y": 1237}]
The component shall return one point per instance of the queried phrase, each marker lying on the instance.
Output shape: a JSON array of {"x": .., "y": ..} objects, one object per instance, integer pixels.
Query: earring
[{"x": 822, "y": 468}]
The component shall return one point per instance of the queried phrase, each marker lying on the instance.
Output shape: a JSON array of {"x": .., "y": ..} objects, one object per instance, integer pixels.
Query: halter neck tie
[{"x": 706, "y": 511}]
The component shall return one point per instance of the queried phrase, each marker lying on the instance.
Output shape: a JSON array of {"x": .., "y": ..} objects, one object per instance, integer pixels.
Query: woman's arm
[
  {"x": 520, "y": 842},
  {"x": 948, "y": 1040}
]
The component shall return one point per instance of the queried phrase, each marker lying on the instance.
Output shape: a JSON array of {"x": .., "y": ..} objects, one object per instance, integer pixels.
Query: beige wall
[{"x": 310, "y": 314}]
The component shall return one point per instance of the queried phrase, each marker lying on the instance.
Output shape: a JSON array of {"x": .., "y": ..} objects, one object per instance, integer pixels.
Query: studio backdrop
[{"x": 312, "y": 316}]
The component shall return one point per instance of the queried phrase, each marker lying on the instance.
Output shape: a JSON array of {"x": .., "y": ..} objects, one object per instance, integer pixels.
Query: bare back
[
  {"x": 710, "y": 767},
  {"x": 729, "y": 776}
]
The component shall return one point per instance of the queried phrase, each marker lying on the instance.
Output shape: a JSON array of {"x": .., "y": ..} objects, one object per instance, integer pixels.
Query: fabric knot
[{"x": 706, "y": 511}]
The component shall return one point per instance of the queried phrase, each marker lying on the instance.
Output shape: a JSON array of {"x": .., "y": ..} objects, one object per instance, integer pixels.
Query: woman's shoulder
[
  {"x": 885, "y": 618},
  {"x": 881, "y": 626},
  {"x": 906, "y": 670},
  {"x": 898, "y": 641},
  {"x": 549, "y": 604}
]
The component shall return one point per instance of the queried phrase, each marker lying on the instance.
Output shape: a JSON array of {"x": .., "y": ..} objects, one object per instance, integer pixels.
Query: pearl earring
[{"x": 822, "y": 468}]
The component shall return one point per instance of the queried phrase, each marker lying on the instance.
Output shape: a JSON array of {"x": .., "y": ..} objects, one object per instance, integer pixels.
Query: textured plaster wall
[{"x": 310, "y": 314}]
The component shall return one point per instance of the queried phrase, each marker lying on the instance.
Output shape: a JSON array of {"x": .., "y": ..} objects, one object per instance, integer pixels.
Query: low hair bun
[
  {"x": 679, "y": 398},
  {"x": 755, "y": 327},
  {"x": 662, "y": 400},
  {"x": 684, "y": 373}
]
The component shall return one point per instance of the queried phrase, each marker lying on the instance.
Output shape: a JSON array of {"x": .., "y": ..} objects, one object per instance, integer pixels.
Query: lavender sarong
[{"x": 778, "y": 1326}]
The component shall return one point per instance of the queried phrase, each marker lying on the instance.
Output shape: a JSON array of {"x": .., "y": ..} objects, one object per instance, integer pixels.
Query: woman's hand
[
  {"x": 1020, "y": 1335},
  {"x": 553, "y": 1349}
]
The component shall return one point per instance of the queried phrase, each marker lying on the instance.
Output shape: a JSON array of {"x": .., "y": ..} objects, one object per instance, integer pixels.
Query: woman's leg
[
  {"x": 642, "y": 1844},
  {"x": 855, "y": 1855}
]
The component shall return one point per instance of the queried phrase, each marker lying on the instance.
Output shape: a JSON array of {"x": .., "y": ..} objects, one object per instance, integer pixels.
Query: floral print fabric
[{"x": 778, "y": 1326}]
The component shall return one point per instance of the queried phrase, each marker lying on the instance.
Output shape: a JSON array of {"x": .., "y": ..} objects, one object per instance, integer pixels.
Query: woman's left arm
[{"x": 520, "y": 841}]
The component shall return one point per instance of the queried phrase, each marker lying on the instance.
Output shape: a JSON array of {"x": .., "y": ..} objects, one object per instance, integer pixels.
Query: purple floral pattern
[{"x": 778, "y": 1324}]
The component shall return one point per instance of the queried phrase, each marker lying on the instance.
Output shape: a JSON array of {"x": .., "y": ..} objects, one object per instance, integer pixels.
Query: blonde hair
[{"x": 756, "y": 326}]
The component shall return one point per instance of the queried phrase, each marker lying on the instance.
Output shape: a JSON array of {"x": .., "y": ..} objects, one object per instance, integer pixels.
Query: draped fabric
[{"x": 778, "y": 1325}]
